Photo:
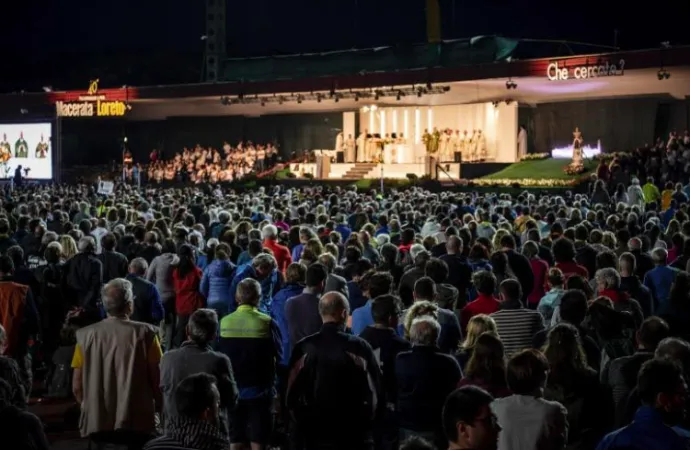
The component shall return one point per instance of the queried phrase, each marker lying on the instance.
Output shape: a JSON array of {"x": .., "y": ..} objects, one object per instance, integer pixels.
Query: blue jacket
[
  {"x": 277, "y": 312},
  {"x": 344, "y": 231},
  {"x": 215, "y": 285},
  {"x": 362, "y": 318},
  {"x": 659, "y": 281},
  {"x": 147, "y": 301},
  {"x": 646, "y": 432},
  {"x": 297, "y": 252},
  {"x": 252, "y": 341},
  {"x": 356, "y": 297},
  {"x": 244, "y": 258},
  {"x": 269, "y": 286}
]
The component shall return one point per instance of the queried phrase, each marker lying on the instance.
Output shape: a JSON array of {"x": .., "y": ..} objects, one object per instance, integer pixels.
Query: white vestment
[
  {"x": 349, "y": 156},
  {"x": 361, "y": 147},
  {"x": 522, "y": 143}
]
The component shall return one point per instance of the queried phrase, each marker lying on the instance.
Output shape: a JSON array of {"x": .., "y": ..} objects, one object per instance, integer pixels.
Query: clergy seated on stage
[{"x": 210, "y": 165}]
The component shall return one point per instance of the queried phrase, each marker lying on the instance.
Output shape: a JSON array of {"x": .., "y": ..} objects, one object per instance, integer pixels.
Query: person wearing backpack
[{"x": 335, "y": 384}]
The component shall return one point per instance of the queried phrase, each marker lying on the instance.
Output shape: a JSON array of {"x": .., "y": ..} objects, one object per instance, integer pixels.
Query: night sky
[{"x": 137, "y": 42}]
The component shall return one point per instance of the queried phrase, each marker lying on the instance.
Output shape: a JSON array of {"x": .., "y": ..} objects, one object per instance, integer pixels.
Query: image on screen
[{"x": 28, "y": 145}]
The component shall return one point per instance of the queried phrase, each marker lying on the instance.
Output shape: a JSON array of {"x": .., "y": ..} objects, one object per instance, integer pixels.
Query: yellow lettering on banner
[{"x": 110, "y": 109}]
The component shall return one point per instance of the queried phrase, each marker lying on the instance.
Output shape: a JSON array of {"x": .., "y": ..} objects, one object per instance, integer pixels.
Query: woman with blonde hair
[
  {"x": 419, "y": 309},
  {"x": 479, "y": 324},
  {"x": 69, "y": 246},
  {"x": 315, "y": 246},
  {"x": 500, "y": 233},
  {"x": 487, "y": 366}
]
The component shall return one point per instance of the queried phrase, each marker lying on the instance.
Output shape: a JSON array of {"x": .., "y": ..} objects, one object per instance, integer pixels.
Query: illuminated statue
[{"x": 577, "y": 147}]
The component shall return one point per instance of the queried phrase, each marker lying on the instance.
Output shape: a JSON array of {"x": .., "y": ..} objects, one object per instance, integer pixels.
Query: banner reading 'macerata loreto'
[{"x": 94, "y": 103}]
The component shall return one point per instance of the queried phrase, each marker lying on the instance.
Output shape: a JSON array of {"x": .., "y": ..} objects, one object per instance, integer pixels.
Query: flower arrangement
[
  {"x": 534, "y": 156},
  {"x": 528, "y": 182},
  {"x": 574, "y": 169},
  {"x": 611, "y": 156}
]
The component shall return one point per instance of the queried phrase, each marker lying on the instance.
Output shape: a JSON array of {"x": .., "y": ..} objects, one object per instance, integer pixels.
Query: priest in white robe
[
  {"x": 349, "y": 149},
  {"x": 361, "y": 147},
  {"x": 522, "y": 142}
]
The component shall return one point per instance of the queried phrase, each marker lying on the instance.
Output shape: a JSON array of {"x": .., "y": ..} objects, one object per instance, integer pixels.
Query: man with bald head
[
  {"x": 459, "y": 271},
  {"x": 335, "y": 383}
]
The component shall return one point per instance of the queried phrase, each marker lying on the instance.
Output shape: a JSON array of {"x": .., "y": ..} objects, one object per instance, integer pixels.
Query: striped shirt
[{"x": 516, "y": 327}]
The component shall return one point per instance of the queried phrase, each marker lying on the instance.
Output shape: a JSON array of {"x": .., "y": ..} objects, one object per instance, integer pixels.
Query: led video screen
[{"x": 28, "y": 145}]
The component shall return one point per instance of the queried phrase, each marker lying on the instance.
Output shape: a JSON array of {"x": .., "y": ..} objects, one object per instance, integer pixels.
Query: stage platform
[{"x": 364, "y": 171}]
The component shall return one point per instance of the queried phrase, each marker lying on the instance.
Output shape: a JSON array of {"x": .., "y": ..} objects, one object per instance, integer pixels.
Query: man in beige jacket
[{"x": 116, "y": 373}]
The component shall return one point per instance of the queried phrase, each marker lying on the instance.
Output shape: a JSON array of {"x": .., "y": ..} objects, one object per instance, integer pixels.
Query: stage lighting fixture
[
  {"x": 399, "y": 95},
  {"x": 337, "y": 98},
  {"x": 376, "y": 95},
  {"x": 510, "y": 84},
  {"x": 356, "y": 96},
  {"x": 318, "y": 97},
  {"x": 47, "y": 89}
]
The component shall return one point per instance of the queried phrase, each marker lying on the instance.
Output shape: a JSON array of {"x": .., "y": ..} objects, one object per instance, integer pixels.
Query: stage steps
[{"x": 359, "y": 171}]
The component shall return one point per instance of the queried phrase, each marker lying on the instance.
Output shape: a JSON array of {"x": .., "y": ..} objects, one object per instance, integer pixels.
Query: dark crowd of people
[{"x": 322, "y": 318}]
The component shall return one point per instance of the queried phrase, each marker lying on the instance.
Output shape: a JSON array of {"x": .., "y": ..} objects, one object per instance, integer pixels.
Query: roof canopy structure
[{"x": 479, "y": 77}]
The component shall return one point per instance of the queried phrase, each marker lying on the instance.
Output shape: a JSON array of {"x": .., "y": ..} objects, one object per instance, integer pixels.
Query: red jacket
[
  {"x": 540, "y": 269},
  {"x": 187, "y": 296},
  {"x": 280, "y": 253},
  {"x": 483, "y": 304},
  {"x": 571, "y": 268}
]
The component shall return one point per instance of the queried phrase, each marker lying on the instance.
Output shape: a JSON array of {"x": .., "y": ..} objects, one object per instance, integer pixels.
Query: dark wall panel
[
  {"x": 620, "y": 124},
  {"x": 100, "y": 141}
]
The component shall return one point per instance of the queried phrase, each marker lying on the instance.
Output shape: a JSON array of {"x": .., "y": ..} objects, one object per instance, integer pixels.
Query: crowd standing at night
[{"x": 327, "y": 318}]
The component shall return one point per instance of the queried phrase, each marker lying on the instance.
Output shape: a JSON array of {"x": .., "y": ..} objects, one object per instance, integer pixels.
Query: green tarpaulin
[{"x": 477, "y": 50}]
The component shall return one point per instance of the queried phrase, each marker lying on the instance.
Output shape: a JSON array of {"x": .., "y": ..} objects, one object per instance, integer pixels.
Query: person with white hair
[
  {"x": 425, "y": 376},
  {"x": 659, "y": 281},
  {"x": 635, "y": 193},
  {"x": 116, "y": 372},
  {"x": 280, "y": 252}
]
